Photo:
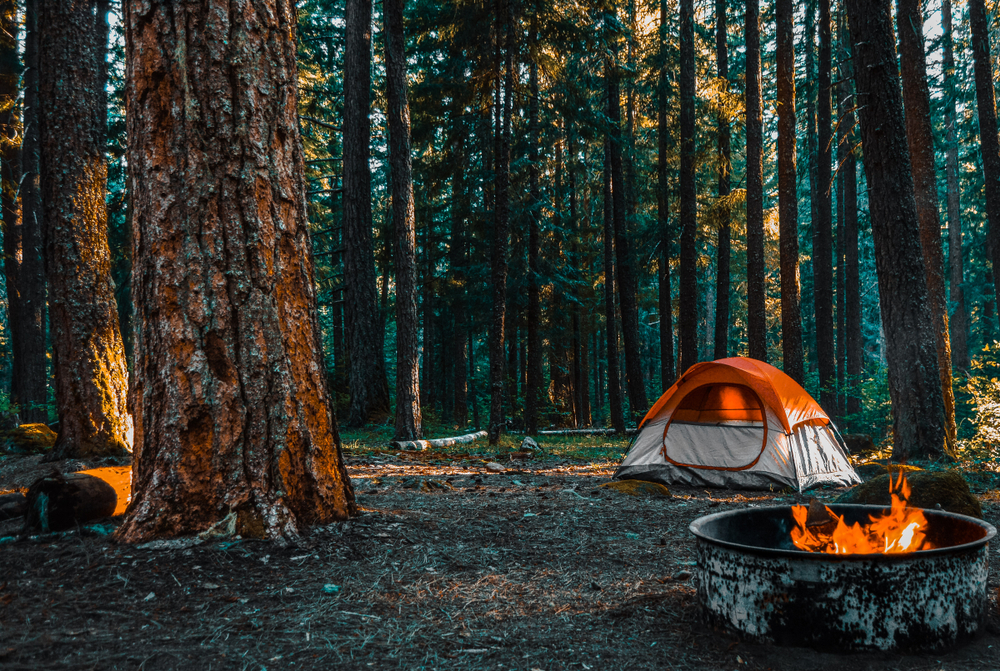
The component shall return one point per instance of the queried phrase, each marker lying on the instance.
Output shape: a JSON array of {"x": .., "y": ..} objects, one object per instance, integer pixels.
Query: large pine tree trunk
[
  {"x": 368, "y": 384},
  {"x": 688, "y": 214},
  {"x": 667, "y": 374},
  {"x": 823, "y": 286},
  {"x": 788, "y": 201},
  {"x": 959, "y": 322},
  {"x": 29, "y": 382},
  {"x": 534, "y": 381},
  {"x": 756, "y": 317},
  {"x": 723, "y": 244},
  {"x": 457, "y": 257},
  {"x": 610, "y": 321},
  {"x": 91, "y": 377},
  {"x": 408, "y": 420},
  {"x": 914, "y": 385},
  {"x": 234, "y": 428},
  {"x": 501, "y": 231},
  {"x": 988, "y": 141},
  {"x": 920, "y": 137},
  {"x": 849, "y": 178},
  {"x": 625, "y": 280}
]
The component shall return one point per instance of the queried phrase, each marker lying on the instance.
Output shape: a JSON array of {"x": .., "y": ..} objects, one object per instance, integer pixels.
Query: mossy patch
[
  {"x": 928, "y": 489},
  {"x": 29, "y": 439},
  {"x": 638, "y": 488}
]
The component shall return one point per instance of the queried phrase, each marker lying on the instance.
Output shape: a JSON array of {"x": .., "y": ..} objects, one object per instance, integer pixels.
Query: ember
[{"x": 903, "y": 529}]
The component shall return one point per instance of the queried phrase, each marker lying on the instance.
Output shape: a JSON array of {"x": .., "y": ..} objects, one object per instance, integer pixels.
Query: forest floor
[{"x": 447, "y": 566}]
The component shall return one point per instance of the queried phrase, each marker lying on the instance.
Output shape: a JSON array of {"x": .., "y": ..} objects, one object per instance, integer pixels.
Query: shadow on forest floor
[{"x": 447, "y": 566}]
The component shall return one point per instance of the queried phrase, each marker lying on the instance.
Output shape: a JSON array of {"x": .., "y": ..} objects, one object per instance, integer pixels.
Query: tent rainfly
[{"x": 738, "y": 423}]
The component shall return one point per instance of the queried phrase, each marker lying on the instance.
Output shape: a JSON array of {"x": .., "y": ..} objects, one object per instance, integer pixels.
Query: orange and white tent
[{"x": 738, "y": 423}]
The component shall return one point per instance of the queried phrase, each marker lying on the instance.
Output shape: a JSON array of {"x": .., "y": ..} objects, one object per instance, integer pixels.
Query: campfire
[{"x": 902, "y": 529}]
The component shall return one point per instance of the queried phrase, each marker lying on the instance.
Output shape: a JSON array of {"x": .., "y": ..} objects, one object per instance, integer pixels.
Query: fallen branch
[
  {"x": 585, "y": 432},
  {"x": 437, "y": 442}
]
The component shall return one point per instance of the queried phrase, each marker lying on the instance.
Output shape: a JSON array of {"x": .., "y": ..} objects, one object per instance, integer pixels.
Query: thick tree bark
[
  {"x": 725, "y": 167},
  {"x": 501, "y": 232},
  {"x": 959, "y": 321},
  {"x": 688, "y": 213},
  {"x": 849, "y": 178},
  {"x": 534, "y": 381},
  {"x": 408, "y": 419},
  {"x": 667, "y": 375},
  {"x": 920, "y": 137},
  {"x": 914, "y": 385},
  {"x": 610, "y": 321},
  {"x": 91, "y": 377},
  {"x": 235, "y": 429},
  {"x": 788, "y": 200},
  {"x": 23, "y": 264},
  {"x": 989, "y": 143},
  {"x": 368, "y": 385},
  {"x": 756, "y": 317},
  {"x": 458, "y": 252},
  {"x": 823, "y": 285}
]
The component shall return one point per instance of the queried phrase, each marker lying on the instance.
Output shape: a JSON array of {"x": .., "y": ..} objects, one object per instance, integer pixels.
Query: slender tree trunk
[
  {"x": 920, "y": 137},
  {"x": 849, "y": 178},
  {"x": 458, "y": 252},
  {"x": 235, "y": 430},
  {"x": 501, "y": 235},
  {"x": 625, "y": 272},
  {"x": 756, "y": 317},
  {"x": 90, "y": 372},
  {"x": 30, "y": 377},
  {"x": 408, "y": 419},
  {"x": 534, "y": 296},
  {"x": 788, "y": 201},
  {"x": 725, "y": 167},
  {"x": 688, "y": 193},
  {"x": 989, "y": 143},
  {"x": 580, "y": 412},
  {"x": 959, "y": 317},
  {"x": 667, "y": 374},
  {"x": 368, "y": 384},
  {"x": 823, "y": 285},
  {"x": 611, "y": 325},
  {"x": 914, "y": 386}
]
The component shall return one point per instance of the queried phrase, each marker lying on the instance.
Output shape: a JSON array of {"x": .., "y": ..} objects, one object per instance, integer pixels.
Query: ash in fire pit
[{"x": 753, "y": 579}]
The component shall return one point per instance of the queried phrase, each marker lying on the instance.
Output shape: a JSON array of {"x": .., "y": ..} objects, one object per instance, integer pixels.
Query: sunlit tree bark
[
  {"x": 234, "y": 427},
  {"x": 756, "y": 317},
  {"x": 91, "y": 378},
  {"x": 725, "y": 168}
]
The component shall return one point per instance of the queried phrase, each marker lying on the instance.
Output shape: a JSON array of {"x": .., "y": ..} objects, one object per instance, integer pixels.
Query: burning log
[{"x": 57, "y": 502}]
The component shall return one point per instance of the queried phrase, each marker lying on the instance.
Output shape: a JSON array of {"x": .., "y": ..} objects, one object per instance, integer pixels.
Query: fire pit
[{"x": 753, "y": 579}]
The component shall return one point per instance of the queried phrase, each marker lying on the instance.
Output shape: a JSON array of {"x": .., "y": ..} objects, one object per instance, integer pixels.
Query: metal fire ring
[{"x": 752, "y": 579}]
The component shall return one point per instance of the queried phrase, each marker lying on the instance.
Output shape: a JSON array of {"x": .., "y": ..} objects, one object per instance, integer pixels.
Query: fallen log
[
  {"x": 57, "y": 502},
  {"x": 584, "y": 432},
  {"x": 437, "y": 443}
]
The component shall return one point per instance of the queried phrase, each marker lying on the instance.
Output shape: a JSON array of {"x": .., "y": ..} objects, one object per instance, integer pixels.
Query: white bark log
[{"x": 437, "y": 442}]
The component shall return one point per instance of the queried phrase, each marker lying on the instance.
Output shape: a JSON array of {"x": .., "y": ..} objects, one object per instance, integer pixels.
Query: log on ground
[{"x": 437, "y": 442}]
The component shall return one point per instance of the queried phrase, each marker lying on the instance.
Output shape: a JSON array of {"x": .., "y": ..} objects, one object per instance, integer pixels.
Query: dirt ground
[{"x": 447, "y": 567}]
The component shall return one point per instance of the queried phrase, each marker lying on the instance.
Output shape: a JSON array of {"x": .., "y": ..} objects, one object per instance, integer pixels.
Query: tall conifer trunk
[
  {"x": 788, "y": 201},
  {"x": 959, "y": 321},
  {"x": 667, "y": 374},
  {"x": 610, "y": 320},
  {"x": 408, "y": 418},
  {"x": 688, "y": 193},
  {"x": 756, "y": 317},
  {"x": 823, "y": 284},
  {"x": 534, "y": 381},
  {"x": 725, "y": 167},
  {"x": 234, "y": 427},
  {"x": 368, "y": 384},
  {"x": 920, "y": 138},
  {"x": 988, "y": 141},
  {"x": 914, "y": 385},
  {"x": 457, "y": 258},
  {"x": 91, "y": 377}
]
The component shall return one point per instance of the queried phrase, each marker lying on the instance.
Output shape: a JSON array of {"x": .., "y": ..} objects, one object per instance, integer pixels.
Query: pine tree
[{"x": 756, "y": 317}]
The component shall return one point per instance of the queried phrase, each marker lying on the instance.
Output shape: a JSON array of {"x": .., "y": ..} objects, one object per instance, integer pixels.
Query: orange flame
[{"x": 902, "y": 530}]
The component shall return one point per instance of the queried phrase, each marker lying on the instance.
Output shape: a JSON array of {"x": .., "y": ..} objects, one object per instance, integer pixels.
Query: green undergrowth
[{"x": 376, "y": 440}]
